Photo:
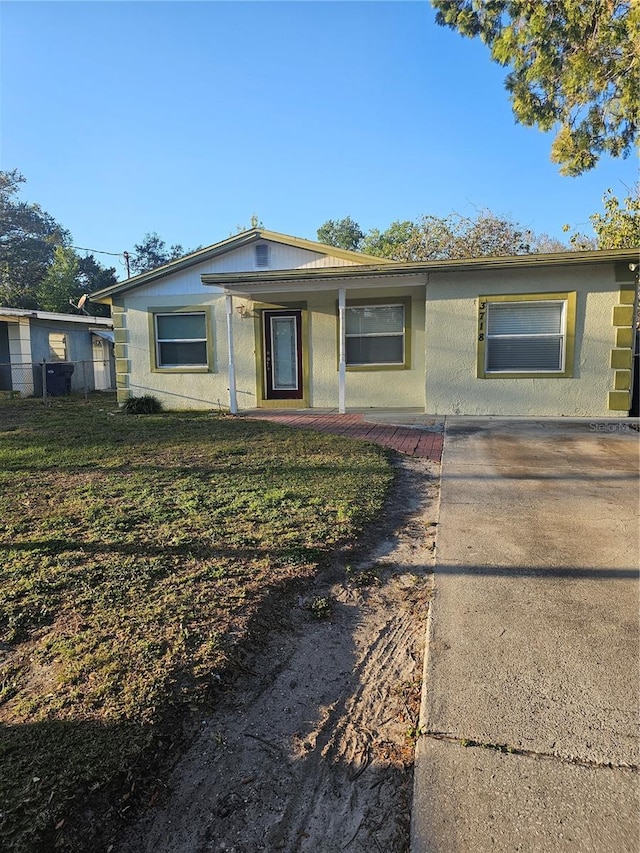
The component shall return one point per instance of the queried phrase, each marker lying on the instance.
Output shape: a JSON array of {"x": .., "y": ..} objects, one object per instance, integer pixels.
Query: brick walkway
[{"x": 413, "y": 441}]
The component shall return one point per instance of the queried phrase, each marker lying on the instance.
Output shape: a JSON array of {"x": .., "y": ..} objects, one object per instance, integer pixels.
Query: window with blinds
[
  {"x": 374, "y": 334},
  {"x": 525, "y": 337}
]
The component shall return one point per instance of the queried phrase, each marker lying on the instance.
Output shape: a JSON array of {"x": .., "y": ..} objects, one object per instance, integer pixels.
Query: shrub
[
  {"x": 145, "y": 405},
  {"x": 320, "y": 607}
]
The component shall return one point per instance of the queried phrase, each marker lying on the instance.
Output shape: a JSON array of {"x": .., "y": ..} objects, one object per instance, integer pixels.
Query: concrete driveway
[{"x": 531, "y": 696}]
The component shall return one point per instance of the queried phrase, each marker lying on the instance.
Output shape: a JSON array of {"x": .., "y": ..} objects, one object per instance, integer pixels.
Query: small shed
[{"x": 30, "y": 337}]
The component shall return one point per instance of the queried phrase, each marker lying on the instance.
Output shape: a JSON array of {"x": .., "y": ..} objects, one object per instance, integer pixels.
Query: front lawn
[{"x": 140, "y": 559}]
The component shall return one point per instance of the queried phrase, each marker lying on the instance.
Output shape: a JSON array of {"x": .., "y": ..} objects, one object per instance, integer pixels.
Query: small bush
[
  {"x": 145, "y": 405},
  {"x": 363, "y": 577},
  {"x": 320, "y": 607}
]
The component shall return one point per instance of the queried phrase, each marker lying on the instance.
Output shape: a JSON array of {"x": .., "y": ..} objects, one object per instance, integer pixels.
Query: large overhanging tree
[
  {"x": 28, "y": 238},
  {"x": 573, "y": 66},
  {"x": 38, "y": 267}
]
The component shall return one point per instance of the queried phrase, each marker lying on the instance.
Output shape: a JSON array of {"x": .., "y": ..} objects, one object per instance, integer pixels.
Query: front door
[{"x": 282, "y": 334}]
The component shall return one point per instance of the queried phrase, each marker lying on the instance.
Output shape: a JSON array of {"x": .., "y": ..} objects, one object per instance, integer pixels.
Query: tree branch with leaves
[
  {"x": 616, "y": 227},
  {"x": 445, "y": 237},
  {"x": 574, "y": 67}
]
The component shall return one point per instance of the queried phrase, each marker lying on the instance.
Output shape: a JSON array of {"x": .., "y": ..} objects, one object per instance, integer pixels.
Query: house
[
  {"x": 271, "y": 321},
  {"x": 29, "y": 338}
]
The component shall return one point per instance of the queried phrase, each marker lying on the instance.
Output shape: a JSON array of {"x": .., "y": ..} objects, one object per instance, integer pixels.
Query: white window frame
[
  {"x": 403, "y": 335},
  {"x": 158, "y": 341}
]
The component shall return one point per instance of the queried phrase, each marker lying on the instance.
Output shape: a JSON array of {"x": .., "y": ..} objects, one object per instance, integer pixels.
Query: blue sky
[{"x": 186, "y": 118}]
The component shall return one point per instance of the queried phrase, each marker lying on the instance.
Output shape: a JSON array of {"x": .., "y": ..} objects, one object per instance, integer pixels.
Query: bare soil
[{"x": 312, "y": 751}]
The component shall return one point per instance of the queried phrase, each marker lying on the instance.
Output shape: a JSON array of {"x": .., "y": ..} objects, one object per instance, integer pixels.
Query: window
[
  {"x": 181, "y": 339},
  {"x": 526, "y": 335},
  {"x": 57, "y": 346},
  {"x": 262, "y": 255},
  {"x": 375, "y": 335}
]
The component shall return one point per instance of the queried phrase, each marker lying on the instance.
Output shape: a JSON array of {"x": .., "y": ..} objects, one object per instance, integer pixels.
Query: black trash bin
[{"x": 59, "y": 378}]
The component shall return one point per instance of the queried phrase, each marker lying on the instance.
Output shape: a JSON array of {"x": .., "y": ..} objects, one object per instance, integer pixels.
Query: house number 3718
[{"x": 482, "y": 313}]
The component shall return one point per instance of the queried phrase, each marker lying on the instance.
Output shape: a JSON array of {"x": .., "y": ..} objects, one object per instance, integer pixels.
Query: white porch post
[
  {"x": 233, "y": 402},
  {"x": 342, "y": 366}
]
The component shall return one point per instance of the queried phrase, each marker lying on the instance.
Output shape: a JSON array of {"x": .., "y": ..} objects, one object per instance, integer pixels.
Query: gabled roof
[{"x": 245, "y": 238}]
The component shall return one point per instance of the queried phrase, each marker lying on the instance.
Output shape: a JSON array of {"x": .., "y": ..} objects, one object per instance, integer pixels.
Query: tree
[
  {"x": 391, "y": 243},
  {"x": 343, "y": 233},
  {"x": 59, "y": 282},
  {"x": 93, "y": 276},
  {"x": 38, "y": 267},
  {"x": 153, "y": 252},
  {"x": 544, "y": 243},
  {"x": 68, "y": 278},
  {"x": 618, "y": 227},
  {"x": 574, "y": 66},
  {"x": 456, "y": 236},
  {"x": 28, "y": 237}
]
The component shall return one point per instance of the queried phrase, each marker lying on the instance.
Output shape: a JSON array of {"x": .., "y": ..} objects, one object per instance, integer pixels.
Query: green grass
[{"x": 140, "y": 559}]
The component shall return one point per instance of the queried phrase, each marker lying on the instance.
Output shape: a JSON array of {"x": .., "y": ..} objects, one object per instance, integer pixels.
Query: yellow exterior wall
[
  {"x": 385, "y": 388},
  {"x": 452, "y": 384},
  {"x": 201, "y": 389},
  {"x": 442, "y": 377},
  {"x": 183, "y": 389}
]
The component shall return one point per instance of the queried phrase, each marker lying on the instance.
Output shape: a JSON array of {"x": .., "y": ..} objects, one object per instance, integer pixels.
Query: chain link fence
[{"x": 56, "y": 378}]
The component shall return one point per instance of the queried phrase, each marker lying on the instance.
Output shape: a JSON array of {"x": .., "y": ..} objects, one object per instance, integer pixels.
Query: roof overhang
[
  {"x": 105, "y": 334},
  {"x": 404, "y": 274},
  {"x": 331, "y": 278},
  {"x": 17, "y": 313}
]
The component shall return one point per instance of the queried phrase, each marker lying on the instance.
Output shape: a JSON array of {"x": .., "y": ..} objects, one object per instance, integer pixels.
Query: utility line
[
  {"x": 80, "y": 248},
  {"x": 97, "y": 251},
  {"x": 125, "y": 255}
]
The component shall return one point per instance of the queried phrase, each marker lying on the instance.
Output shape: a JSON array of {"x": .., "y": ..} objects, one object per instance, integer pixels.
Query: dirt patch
[{"x": 313, "y": 750}]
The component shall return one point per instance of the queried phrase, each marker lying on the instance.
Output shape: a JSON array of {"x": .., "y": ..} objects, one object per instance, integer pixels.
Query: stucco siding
[
  {"x": 452, "y": 385},
  {"x": 178, "y": 389},
  {"x": 201, "y": 390},
  {"x": 385, "y": 388},
  {"x": 442, "y": 374}
]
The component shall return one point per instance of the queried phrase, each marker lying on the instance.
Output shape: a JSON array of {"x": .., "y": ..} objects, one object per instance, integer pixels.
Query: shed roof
[{"x": 36, "y": 314}]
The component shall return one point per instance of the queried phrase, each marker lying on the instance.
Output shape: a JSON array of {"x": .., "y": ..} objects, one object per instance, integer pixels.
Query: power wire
[{"x": 97, "y": 251}]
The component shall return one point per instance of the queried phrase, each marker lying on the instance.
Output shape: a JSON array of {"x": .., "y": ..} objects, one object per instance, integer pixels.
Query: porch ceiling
[{"x": 252, "y": 288}]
